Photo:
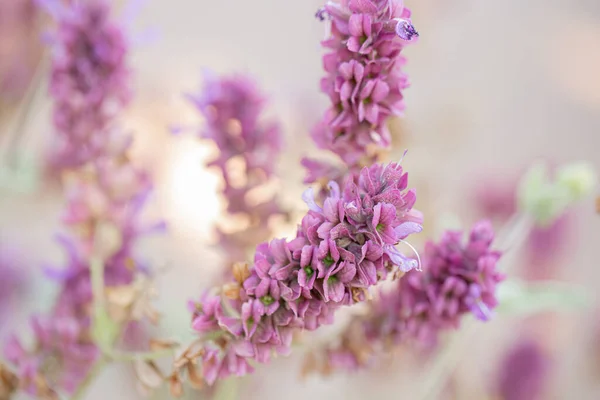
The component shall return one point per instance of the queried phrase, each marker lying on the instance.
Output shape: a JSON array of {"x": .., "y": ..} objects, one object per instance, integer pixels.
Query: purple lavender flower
[
  {"x": 524, "y": 372},
  {"x": 232, "y": 107},
  {"x": 105, "y": 199},
  {"x": 89, "y": 81},
  {"x": 364, "y": 79},
  {"x": 300, "y": 283},
  {"x": 458, "y": 278},
  {"x": 60, "y": 359}
]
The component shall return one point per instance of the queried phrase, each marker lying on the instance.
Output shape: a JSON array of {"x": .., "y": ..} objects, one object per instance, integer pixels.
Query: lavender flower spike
[
  {"x": 339, "y": 252},
  {"x": 458, "y": 279},
  {"x": 104, "y": 202},
  {"x": 232, "y": 107},
  {"x": 364, "y": 80},
  {"x": 89, "y": 81}
]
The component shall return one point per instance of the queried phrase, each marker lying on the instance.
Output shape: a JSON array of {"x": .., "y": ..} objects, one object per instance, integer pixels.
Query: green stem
[
  {"x": 91, "y": 376},
  {"x": 97, "y": 278}
]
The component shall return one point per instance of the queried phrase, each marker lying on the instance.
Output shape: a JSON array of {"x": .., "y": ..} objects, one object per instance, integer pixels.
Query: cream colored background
[{"x": 495, "y": 84}]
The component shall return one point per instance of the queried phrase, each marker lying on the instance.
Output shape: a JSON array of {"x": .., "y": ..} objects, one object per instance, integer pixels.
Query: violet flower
[
  {"x": 89, "y": 81},
  {"x": 300, "y": 283},
  {"x": 62, "y": 355},
  {"x": 232, "y": 107},
  {"x": 105, "y": 201},
  {"x": 117, "y": 227},
  {"x": 364, "y": 79},
  {"x": 106, "y": 222},
  {"x": 524, "y": 372},
  {"x": 458, "y": 279}
]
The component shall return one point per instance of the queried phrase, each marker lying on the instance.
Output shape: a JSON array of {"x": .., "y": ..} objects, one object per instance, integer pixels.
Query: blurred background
[{"x": 495, "y": 86}]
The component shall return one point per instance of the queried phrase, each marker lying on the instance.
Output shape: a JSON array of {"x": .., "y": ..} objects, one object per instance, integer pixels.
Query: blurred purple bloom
[
  {"x": 62, "y": 355},
  {"x": 248, "y": 147},
  {"x": 524, "y": 372},
  {"x": 89, "y": 81},
  {"x": 105, "y": 198}
]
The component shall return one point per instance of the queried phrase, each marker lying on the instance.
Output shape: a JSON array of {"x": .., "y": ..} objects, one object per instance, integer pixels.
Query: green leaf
[{"x": 520, "y": 298}]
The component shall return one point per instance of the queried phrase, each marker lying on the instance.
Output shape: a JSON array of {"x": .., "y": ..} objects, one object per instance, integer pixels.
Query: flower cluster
[
  {"x": 458, "y": 279},
  {"x": 89, "y": 82},
  {"x": 364, "y": 79},
  {"x": 341, "y": 249},
  {"x": 105, "y": 199},
  {"x": 248, "y": 147},
  {"x": 103, "y": 214},
  {"x": 64, "y": 357}
]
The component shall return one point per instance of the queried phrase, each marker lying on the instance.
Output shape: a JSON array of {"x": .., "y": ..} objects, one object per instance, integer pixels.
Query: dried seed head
[
  {"x": 241, "y": 272},
  {"x": 8, "y": 383},
  {"x": 196, "y": 379},
  {"x": 175, "y": 386},
  {"x": 231, "y": 290},
  {"x": 162, "y": 344},
  {"x": 148, "y": 374}
]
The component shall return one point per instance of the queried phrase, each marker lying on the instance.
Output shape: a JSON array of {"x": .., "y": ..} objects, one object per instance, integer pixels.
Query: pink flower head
[
  {"x": 232, "y": 107},
  {"x": 458, "y": 278},
  {"x": 364, "y": 80},
  {"x": 334, "y": 258},
  {"x": 62, "y": 355}
]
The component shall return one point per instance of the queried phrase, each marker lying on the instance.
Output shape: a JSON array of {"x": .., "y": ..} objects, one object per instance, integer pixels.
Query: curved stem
[{"x": 91, "y": 376}]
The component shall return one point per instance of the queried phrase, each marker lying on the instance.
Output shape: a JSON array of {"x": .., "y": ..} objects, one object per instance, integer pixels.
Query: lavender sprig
[
  {"x": 89, "y": 82},
  {"x": 341, "y": 249},
  {"x": 232, "y": 107},
  {"x": 457, "y": 279},
  {"x": 106, "y": 194},
  {"x": 364, "y": 80}
]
